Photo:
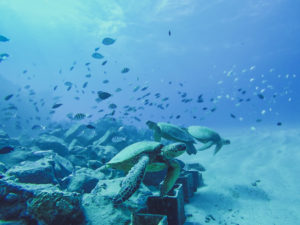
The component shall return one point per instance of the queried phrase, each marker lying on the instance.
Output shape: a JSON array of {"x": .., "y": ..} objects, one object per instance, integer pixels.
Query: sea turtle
[
  {"x": 208, "y": 137},
  {"x": 173, "y": 133},
  {"x": 142, "y": 157}
]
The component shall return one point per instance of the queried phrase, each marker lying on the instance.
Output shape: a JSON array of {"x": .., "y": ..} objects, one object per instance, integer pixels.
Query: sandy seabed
[{"x": 253, "y": 181}]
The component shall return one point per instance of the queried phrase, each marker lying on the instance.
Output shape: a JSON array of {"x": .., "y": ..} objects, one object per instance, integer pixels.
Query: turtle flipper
[
  {"x": 171, "y": 177},
  {"x": 218, "y": 147},
  {"x": 132, "y": 180},
  {"x": 157, "y": 132},
  {"x": 206, "y": 146},
  {"x": 190, "y": 148}
]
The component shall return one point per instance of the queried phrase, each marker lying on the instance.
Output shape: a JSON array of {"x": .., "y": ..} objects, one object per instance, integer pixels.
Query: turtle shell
[
  {"x": 127, "y": 157},
  {"x": 203, "y": 134},
  {"x": 173, "y": 132}
]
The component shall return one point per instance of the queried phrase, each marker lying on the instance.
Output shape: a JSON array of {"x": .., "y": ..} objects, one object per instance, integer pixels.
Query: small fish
[
  {"x": 88, "y": 75},
  {"x": 118, "y": 139},
  {"x": 71, "y": 68},
  {"x": 68, "y": 84},
  {"x": 104, "y": 63},
  {"x": 8, "y": 97},
  {"x": 87, "y": 64},
  {"x": 79, "y": 116},
  {"x": 37, "y": 127},
  {"x": 6, "y": 149},
  {"x": 232, "y": 116},
  {"x": 85, "y": 84},
  {"x": 103, "y": 95},
  {"x": 118, "y": 90},
  {"x": 204, "y": 108},
  {"x": 55, "y": 87},
  {"x": 169, "y": 32},
  {"x": 112, "y": 106},
  {"x": 213, "y": 109},
  {"x": 258, "y": 120},
  {"x": 97, "y": 55},
  {"x": 89, "y": 126},
  {"x": 279, "y": 124},
  {"x": 57, "y": 105},
  {"x": 260, "y": 96},
  {"x": 108, "y": 41},
  {"x": 125, "y": 70},
  {"x": 96, "y": 49},
  {"x": 3, "y": 39},
  {"x": 177, "y": 117},
  {"x": 200, "y": 99},
  {"x": 105, "y": 81}
]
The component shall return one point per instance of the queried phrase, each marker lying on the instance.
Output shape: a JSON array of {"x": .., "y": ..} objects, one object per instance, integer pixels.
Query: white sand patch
[{"x": 255, "y": 180}]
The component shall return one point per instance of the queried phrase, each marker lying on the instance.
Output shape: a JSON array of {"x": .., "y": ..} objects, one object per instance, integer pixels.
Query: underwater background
[{"x": 232, "y": 66}]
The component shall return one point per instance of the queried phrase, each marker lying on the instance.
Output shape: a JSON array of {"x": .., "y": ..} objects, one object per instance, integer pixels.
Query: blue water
[
  {"x": 213, "y": 48},
  {"x": 230, "y": 65}
]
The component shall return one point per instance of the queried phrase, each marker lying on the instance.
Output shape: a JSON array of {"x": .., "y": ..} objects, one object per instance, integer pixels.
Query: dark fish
[
  {"x": 76, "y": 98},
  {"x": 169, "y": 33},
  {"x": 85, "y": 84},
  {"x": 96, "y": 49},
  {"x": 243, "y": 92},
  {"x": 200, "y": 99},
  {"x": 213, "y": 109},
  {"x": 68, "y": 83},
  {"x": 177, "y": 117},
  {"x": 90, "y": 126},
  {"x": 69, "y": 88},
  {"x": 204, "y": 108},
  {"x": 137, "y": 119},
  {"x": 3, "y": 56},
  {"x": 103, "y": 95},
  {"x": 55, "y": 87},
  {"x": 260, "y": 96},
  {"x": 104, "y": 63},
  {"x": 248, "y": 100},
  {"x": 36, "y": 127},
  {"x": 79, "y": 116},
  {"x": 165, "y": 99},
  {"x": 3, "y": 39},
  {"x": 279, "y": 124},
  {"x": 71, "y": 68},
  {"x": 87, "y": 64},
  {"x": 240, "y": 89},
  {"x": 24, "y": 71},
  {"x": 112, "y": 106},
  {"x": 105, "y": 81},
  {"x": 118, "y": 90},
  {"x": 55, "y": 106},
  {"x": 88, "y": 75},
  {"x": 258, "y": 120},
  {"x": 125, "y": 70},
  {"x": 97, "y": 55},
  {"x": 232, "y": 116},
  {"x": 6, "y": 149},
  {"x": 108, "y": 41},
  {"x": 8, "y": 97}
]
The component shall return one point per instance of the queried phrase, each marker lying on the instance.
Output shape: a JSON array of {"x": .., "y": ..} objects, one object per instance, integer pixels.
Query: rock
[
  {"x": 106, "y": 138},
  {"x": 73, "y": 131},
  {"x": 84, "y": 180},
  {"x": 80, "y": 155},
  {"x": 109, "y": 188},
  {"x": 58, "y": 132},
  {"x": 78, "y": 160},
  {"x": 57, "y": 208},
  {"x": 14, "y": 197},
  {"x": 86, "y": 137},
  {"x": 3, "y": 134},
  {"x": 9, "y": 142},
  {"x": 62, "y": 166},
  {"x": 15, "y": 157},
  {"x": 48, "y": 142},
  {"x": 92, "y": 164},
  {"x": 99, "y": 208},
  {"x": 3, "y": 168},
  {"x": 105, "y": 153},
  {"x": 39, "y": 172}
]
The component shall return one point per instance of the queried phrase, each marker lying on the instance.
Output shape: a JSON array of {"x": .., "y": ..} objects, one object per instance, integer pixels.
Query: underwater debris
[{"x": 108, "y": 41}]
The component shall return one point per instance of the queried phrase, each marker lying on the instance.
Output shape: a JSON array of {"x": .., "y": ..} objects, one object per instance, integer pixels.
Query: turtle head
[
  {"x": 173, "y": 150},
  {"x": 151, "y": 124},
  {"x": 225, "y": 141}
]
